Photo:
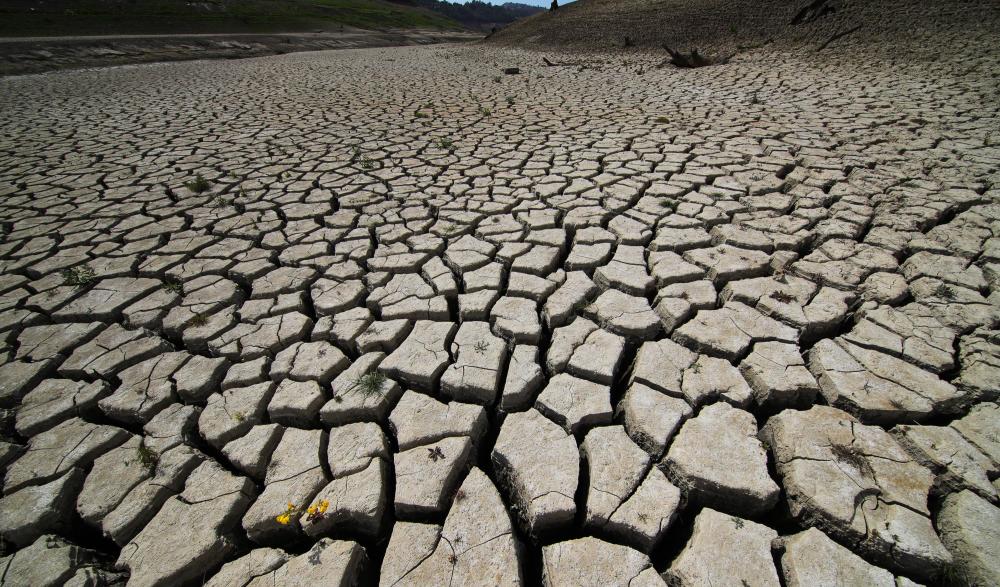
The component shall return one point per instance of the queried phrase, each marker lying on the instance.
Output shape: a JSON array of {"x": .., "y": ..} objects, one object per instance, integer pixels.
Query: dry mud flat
[{"x": 425, "y": 323}]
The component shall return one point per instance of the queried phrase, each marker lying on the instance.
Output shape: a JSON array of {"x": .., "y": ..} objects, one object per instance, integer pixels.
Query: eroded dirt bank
[{"x": 40, "y": 54}]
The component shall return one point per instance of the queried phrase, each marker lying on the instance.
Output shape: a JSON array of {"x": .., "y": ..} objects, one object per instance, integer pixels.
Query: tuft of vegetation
[
  {"x": 668, "y": 204},
  {"x": 662, "y": 120},
  {"x": 484, "y": 111},
  {"x": 147, "y": 457},
  {"x": 79, "y": 276},
  {"x": 435, "y": 454},
  {"x": 369, "y": 385},
  {"x": 198, "y": 320},
  {"x": 510, "y": 100},
  {"x": 219, "y": 202},
  {"x": 782, "y": 297},
  {"x": 173, "y": 286},
  {"x": 853, "y": 457},
  {"x": 362, "y": 159},
  {"x": 944, "y": 291},
  {"x": 421, "y": 114},
  {"x": 198, "y": 185},
  {"x": 481, "y": 347},
  {"x": 445, "y": 144}
]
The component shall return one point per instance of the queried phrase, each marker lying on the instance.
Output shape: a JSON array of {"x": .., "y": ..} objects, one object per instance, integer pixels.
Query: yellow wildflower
[
  {"x": 316, "y": 511},
  {"x": 286, "y": 517}
]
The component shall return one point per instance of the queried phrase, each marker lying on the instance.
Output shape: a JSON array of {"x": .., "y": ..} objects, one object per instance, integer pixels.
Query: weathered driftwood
[{"x": 693, "y": 59}]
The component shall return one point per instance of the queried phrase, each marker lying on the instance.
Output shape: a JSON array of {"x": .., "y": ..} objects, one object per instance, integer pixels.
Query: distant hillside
[
  {"x": 723, "y": 26},
  {"x": 476, "y": 14},
  {"x": 20, "y": 18}
]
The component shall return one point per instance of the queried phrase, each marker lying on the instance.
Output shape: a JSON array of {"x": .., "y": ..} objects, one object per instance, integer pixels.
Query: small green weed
[
  {"x": 78, "y": 276},
  {"x": 945, "y": 291},
  {"x": 362, "y": 158},
  {"x": 198, "y": 185},
  {"x": 173, "y": 286},
  {"x": 369, "y": 385},
  {"x": 147, "y": 458},
  {"x": 668, "y": 204}
]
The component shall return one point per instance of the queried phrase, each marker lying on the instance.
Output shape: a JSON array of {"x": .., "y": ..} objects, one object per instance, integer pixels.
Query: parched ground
[{"x": 599, "y": 323}]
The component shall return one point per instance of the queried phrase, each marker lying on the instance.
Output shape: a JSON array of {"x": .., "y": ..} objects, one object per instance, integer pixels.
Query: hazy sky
[{"x": 544, "y": 3}]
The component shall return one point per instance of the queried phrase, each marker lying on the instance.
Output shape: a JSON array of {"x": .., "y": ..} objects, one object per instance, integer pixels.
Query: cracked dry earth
[{"x": 629, "y": 326}]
